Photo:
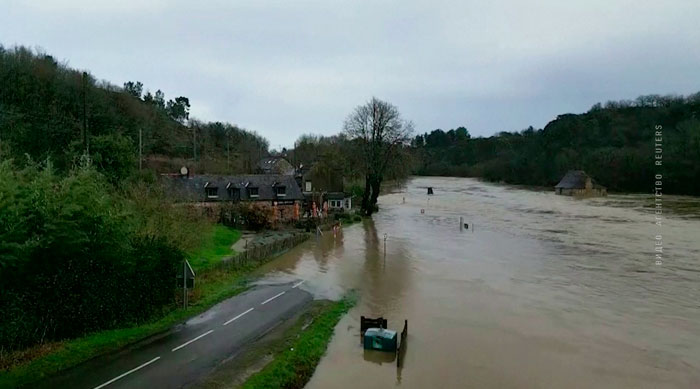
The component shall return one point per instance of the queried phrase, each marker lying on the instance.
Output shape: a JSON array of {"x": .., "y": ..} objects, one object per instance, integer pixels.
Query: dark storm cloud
[{"x": 285, "y": 68}]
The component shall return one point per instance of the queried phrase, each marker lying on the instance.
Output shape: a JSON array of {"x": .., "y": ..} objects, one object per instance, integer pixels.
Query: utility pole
[
  {"x": 184, "y": 285},
  {"x": 84, "y": 132},
  {"x": 385, "y": 236},
  {"x": 228, "y": 152},
  {"x": 140, "y": 147},
  {"x": 194, "y": 148}
]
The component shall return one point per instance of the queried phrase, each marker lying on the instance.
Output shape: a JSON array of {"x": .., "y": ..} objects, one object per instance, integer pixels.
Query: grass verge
[
  {"x": 296, "y": 363},
  {"x": 212, "y": 286},
  {"x": 215, "y": 247}
]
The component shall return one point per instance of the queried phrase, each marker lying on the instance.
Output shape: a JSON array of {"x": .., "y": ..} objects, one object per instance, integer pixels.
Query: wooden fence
[
  {"x": 401, "y": 350},
  {"x": 264, "y": 250},
  {"x": 366, "y": 323}
]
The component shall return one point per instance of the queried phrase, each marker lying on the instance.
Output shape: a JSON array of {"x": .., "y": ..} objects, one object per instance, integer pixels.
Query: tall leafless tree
[{"x": 378, "y": 131}]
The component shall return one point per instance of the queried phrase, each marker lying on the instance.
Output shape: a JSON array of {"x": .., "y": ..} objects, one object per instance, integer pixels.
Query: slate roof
[
  {"x": 576, "y": 179},
  {"x": 336, "y": 196},
  {"x": 194, "y": 187}
]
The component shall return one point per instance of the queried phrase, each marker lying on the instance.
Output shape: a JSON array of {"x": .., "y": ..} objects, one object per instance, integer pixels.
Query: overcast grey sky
[{"x": 284, "y": 68}]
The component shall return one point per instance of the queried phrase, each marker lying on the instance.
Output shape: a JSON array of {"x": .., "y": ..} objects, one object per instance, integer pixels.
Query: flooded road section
[{"x": 542, "y": 291}]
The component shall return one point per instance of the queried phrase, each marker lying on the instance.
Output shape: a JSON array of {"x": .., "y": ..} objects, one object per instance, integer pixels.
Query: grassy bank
[
  {"x": 296, "y": 362},
  {"x": 213, "y": 286},
  {"x": 215, "y": 247}
]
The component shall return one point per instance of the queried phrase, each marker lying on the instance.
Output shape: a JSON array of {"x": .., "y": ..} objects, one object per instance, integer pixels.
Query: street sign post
[{"x": 185, "y": 280}]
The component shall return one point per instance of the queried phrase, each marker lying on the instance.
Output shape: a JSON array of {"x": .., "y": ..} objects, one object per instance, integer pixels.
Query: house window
[
  {"x": 281, "y": 190},
  {"x": 234, "y": 193},
  {"x": 253, "y": 192},
  {"x": 212, "y": 193},
  {"x": 336, "y": 204},
  {"x": 308, "y": 186}
]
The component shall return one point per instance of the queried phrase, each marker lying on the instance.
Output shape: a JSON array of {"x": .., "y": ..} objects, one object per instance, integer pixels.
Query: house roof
[
  {"x": 193, "y": 188},
  {"x": 275, "y": 165},
  {"x": 336, "y": 196},
  {"x": 576, "y": 179}
]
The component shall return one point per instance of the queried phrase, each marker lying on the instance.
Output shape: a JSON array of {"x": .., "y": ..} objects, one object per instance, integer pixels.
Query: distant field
[{"x": 215, "y": 247}]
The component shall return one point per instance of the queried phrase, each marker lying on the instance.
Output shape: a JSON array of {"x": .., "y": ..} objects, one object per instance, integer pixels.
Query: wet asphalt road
[{"x": 190, "y": 351}]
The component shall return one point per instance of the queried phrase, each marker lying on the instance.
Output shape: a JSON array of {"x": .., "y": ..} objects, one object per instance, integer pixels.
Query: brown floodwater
[{"x": 542, "y": 291}]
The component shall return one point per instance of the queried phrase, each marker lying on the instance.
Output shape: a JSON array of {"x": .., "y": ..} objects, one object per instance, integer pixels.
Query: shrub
[
  {"x": 74, "y": 259},
  {"x": 257, "y": 217}
]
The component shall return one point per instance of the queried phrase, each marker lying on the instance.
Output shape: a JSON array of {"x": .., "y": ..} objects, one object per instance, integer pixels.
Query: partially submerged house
[
  {"x": 339, "y": 201},
  {"x": 277, "y": 191},
  {"x": 578, "y": 183}
]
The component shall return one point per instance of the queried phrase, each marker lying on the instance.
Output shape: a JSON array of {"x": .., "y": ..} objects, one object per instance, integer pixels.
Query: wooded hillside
[
  {"x": 615, "y": 143},
  {"x": 45, "y": 106}
]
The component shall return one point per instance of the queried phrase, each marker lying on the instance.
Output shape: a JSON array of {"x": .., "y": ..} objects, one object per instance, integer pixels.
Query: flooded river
[{"x": 542, "y": 291}]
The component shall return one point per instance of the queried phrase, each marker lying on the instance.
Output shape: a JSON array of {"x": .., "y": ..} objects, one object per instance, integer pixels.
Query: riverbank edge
[
  {"x": 295, "y": 361},
  {"x": 224, "y": 283}
]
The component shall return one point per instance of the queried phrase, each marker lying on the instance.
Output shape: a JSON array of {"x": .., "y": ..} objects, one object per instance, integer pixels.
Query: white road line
[
  {"x": 238, "y": 316},
  {"x": 127, "y": 373},
  {"x": 272, "y": 298},
  {"x": 193, "y": 340},
  {"x": 297, "y": 284}
]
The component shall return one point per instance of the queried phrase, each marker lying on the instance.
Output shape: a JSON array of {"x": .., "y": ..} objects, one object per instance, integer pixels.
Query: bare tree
[{"x": 379, "y": 133}]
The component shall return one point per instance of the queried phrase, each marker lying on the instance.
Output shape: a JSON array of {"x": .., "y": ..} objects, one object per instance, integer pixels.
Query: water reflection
[{"x": 379, "y": 357}]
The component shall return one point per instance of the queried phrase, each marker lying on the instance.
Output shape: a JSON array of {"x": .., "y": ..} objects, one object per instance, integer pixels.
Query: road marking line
[
  {"x": 193, "y": 340},
  {"x": 297, "y": 284},
  {"x": 272, "y": 298},
  {"x": 238, "y": 316},
  {"x": 127, "y": 373}
]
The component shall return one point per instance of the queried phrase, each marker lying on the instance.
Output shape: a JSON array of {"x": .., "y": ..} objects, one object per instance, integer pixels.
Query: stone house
[
  {"x": 278, "y": 193},
  {"x": 578, "y": 183}
]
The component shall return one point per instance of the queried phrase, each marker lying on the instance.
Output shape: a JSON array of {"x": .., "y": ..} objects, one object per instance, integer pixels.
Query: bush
[
  {"x": 257, "y": 217},
  {"x": 73, "y": 259}
]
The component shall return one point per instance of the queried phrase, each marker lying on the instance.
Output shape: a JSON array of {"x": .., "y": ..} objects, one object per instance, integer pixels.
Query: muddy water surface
[{"x": 542, "y": 291}]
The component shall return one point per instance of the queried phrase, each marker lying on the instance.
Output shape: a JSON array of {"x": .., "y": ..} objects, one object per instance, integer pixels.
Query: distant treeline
[{"x": 615, "y": 143}]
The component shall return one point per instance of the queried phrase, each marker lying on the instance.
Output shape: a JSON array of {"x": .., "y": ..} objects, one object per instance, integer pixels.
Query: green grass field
[{"x": 215, "y": 247}]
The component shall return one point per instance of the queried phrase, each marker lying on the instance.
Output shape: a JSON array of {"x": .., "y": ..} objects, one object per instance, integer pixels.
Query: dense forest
[{"x": 615, "y": 143}]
